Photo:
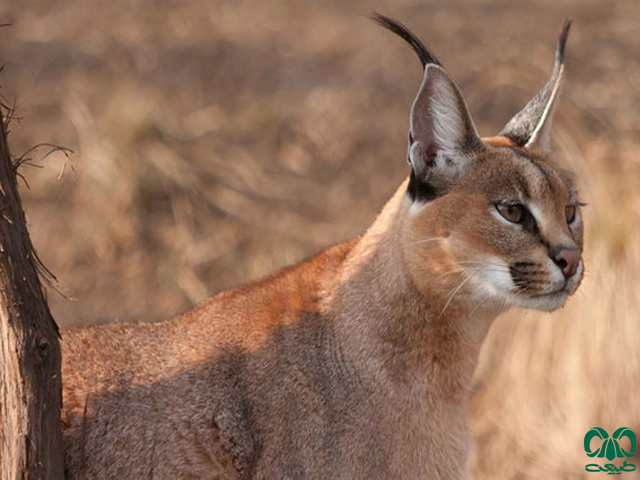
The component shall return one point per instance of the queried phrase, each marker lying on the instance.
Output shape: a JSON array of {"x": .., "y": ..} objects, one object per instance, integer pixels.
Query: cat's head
[{"x": 495, "y": 214}]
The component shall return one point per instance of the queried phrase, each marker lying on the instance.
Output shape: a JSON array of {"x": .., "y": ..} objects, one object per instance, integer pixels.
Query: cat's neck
[{"x": 399, "y": 328}]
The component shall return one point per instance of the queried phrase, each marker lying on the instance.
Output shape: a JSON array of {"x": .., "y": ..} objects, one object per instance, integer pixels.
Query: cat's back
[
  {"x": 116, "y": 354},
  {"x": 151, "y": 378}
]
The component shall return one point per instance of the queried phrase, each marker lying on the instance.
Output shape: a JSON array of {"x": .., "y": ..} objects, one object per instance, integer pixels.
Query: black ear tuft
[
  {"x": 562, "y": 40},
  {"x": 442, "y": 137},
  {"x": 426, "y": 57}
]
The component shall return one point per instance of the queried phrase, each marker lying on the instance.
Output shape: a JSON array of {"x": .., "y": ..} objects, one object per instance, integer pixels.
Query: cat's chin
[{"x": 545, "y": 303}]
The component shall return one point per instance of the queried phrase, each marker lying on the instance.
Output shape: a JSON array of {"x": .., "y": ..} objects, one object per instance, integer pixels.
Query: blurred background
[{"x": 216, "y": 141}]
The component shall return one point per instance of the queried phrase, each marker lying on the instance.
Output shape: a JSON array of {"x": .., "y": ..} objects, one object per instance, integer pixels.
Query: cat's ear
[
  {"x": 531, "y": 127},
  {"x": 442, "y": 135}
]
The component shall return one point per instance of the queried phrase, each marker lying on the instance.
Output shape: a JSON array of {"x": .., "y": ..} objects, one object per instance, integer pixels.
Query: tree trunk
[{"x": 30, "y": 384}]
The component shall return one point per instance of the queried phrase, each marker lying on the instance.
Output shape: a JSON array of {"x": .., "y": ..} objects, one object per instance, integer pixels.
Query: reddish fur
[{"x": 499, "y": 141}]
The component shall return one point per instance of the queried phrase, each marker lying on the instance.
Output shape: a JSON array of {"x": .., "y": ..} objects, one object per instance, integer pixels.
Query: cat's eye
[
  {"x": 512, "y": 212},
  {"x": 570, "y": 213}
]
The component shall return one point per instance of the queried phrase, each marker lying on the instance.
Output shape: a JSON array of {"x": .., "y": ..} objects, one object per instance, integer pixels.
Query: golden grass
[{"x": 218, "y": 141}]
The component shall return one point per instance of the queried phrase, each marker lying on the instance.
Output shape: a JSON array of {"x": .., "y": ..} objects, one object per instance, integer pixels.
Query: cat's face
[
  {"x": 512, "y": 225},
  {"x": 490, "y": 219}
]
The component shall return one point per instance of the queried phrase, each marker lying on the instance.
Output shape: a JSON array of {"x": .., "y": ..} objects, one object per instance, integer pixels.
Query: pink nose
[{"x": 568, "y": 261}]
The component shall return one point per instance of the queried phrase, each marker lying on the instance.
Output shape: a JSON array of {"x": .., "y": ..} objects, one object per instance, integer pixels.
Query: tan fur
[
  {"x": 354, "y": 364},
  {"x": 499, "y": 141}
]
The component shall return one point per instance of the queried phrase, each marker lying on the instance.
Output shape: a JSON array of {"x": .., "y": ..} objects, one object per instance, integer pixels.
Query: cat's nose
[{"x": 568, "y": 260}]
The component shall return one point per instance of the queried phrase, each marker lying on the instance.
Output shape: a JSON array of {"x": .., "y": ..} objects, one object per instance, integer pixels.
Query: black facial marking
[
  {"x": 529, "y": 223},
  {"x": 523, "y": 264},
  {"x": 528, "y": 276},
  {"x": 525, "y": 279},
  {"x": 420, "y": 191},
  {"x": 519, "y": 280}
]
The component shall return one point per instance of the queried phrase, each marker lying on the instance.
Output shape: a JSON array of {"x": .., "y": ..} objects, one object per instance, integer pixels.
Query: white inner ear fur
[
  {"x": 444, "y": 130},
  {"x": 448, "y": 126},
  {"x": 447, "y": 163}
]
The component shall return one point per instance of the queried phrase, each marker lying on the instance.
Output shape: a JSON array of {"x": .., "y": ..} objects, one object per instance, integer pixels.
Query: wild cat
[{"x": 356, "y": 363}]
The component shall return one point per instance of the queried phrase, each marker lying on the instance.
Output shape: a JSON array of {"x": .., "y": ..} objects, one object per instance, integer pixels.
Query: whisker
[
  {"x": 427, "y": 240},
  {"x": 485, "y": 298},
  {"x": 454, "y": 294},
  {"x": 465, "y": 269},
  {"x": 482, "y": 262},
  {"x": 479, "y": 263}
]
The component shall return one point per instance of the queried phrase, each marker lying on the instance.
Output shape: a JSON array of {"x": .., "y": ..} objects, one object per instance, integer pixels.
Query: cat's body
[
  {"x": 356, "y": 363},
  {"x": 292, "y": 375}
]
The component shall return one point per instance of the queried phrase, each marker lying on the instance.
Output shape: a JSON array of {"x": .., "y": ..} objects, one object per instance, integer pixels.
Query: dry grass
[{"x": 218, "y": 141}]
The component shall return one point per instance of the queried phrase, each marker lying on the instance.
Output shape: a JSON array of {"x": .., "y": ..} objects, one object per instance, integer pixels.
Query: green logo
[{"x": 610, "y": 449}]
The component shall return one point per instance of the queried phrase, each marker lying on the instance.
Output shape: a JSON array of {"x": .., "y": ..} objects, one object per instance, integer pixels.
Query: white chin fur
[{"x": 544, "y": 303}]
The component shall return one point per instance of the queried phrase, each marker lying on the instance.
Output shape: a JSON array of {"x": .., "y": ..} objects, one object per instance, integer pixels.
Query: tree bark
[{"x": 30, "y": 384}]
